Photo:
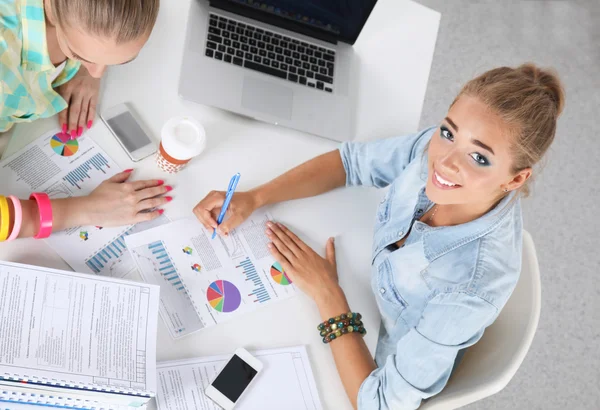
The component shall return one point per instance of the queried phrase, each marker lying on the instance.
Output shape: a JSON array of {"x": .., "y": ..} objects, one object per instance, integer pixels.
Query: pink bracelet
[
  {"x": 18, "y": 218},
  {"x": 45, "y": 210}
]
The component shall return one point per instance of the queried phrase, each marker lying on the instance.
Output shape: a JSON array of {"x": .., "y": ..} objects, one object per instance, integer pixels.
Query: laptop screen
[{"x": 343, "y": 19}]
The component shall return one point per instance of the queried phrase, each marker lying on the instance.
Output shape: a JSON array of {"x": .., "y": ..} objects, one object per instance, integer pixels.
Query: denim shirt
[{"x": 442, "y": 288}]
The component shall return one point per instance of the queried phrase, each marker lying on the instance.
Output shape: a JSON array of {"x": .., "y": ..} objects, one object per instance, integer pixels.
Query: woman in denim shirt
[{"x": 447, "y": 244}]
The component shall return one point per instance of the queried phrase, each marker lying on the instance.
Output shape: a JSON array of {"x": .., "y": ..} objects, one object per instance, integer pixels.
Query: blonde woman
[
  {"x": 447, "y": 243},
  {"x": 44, "y": 43},
  {"x": 52, "y": 55}
]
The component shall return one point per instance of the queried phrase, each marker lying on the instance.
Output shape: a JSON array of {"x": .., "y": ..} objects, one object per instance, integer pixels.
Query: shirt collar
[
  {"x": 34, "y": 53},
  {"x": 441, "y": 240}
]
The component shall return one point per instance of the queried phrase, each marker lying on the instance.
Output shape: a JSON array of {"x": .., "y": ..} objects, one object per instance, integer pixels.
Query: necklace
[{"x": 435, "y": 208}]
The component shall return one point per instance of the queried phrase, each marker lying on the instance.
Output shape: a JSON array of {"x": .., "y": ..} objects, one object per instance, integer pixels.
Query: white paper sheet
[
  {"x": 83, "y": 331},
  {"x": 82, "y": 166},
  {"x": 286, "y": 382},
  {"x": 215, "y": 278}
]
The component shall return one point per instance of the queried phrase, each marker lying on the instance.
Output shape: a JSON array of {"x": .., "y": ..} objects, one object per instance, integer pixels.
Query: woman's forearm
[
  {"x": 352, "y": 357},
  {"x": 66, "y": 213},
  {"x": 316, "y": 176}
]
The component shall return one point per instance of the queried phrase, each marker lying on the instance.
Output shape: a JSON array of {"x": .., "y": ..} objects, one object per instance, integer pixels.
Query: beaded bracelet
[{"x": 340, "y": 325}]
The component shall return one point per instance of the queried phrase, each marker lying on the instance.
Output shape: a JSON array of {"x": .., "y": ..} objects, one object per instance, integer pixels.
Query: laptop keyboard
[{"x": 270, "y": 53}]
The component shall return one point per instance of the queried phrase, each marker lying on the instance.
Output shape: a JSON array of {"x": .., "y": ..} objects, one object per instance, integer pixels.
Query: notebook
[
  {"x": 77, "y": 338},
  {"x": 14, "y": 399}
]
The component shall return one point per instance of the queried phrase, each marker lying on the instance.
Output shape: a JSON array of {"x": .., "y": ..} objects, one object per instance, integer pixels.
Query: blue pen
[{"x": 232, "y": 186}]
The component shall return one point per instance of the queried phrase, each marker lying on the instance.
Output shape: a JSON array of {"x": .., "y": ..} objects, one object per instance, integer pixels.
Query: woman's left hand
[
  {"x": 314, "y": 275},
  {"x": 81, "y": 93}
]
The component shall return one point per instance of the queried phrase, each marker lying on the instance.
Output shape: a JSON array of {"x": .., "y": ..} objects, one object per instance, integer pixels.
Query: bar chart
[
  {"x": 102, "y": 262},
  {"x": 259, "y": 292},
  {"x": 81, "y": 174},
  {"x": 164, "y": 265},
  {"x": 156, "y": 266},
  {"x": 113, "y": 259}
]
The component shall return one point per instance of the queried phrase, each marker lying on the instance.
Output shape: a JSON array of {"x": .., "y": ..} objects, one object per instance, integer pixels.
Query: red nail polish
[
  {"x": 169, "y": 188},
  {"x": 169, "y": 198},
  {"x": 73, "y": 134},
  {"x": 64, "y": 128},
  {"x": 79, "y": 131},
  {"x": 161, "y": 182},
  {"x": 161, "y": 211},
  {"x": 129, "y": 170},
  {"x": 89, "y": 124}
]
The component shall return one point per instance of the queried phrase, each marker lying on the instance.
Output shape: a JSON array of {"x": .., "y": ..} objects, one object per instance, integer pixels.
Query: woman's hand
[
  {"x": 81, "y": 93},
  {"x": 314, "y": 275},
  {"x": 240, "y": 208},
  {"x": 116, "y": 202},
  {"x": 318, "y": 277}
]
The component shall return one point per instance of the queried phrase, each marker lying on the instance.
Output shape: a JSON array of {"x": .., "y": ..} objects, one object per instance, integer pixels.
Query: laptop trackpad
[{"x": 267, "y": 97}]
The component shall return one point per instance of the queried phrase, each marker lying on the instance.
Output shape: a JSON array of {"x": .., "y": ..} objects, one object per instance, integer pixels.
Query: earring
[{"x": 505, "y": 189}]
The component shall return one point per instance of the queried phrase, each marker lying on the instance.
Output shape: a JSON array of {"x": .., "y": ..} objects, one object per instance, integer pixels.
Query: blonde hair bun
[{"x": 547, "y": 78}]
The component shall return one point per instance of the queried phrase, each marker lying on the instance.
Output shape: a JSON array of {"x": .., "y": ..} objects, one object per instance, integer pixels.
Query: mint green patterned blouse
[{"x": 26, "y": 92}]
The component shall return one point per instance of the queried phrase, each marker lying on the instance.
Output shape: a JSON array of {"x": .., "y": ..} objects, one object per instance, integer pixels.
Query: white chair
[{"x": 490, "y": 364}]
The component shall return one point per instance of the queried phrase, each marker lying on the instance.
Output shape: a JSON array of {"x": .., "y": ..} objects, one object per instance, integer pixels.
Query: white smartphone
[
  {"x": 233, "y": 380},
  {"x": 129, "y": 131}
]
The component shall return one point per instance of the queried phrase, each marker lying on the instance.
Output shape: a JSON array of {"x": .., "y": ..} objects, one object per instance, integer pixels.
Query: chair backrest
[{"x": 490, "y": 364}]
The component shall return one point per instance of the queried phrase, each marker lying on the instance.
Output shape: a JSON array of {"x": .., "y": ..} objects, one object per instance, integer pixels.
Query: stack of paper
[
  {"x": 286, "y": 382},
  {"x": 78, "y": 338},
  {"x": 65, "y": 168}
]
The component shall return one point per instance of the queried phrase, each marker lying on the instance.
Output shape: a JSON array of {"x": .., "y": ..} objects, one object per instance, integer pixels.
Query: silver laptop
[{"x": 287, "y": 62}]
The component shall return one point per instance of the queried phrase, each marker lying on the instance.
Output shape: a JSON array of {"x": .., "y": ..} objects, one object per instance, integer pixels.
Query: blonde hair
[
  {"x": 529, "y": 100},
  {"x": 120, "y": 20}
]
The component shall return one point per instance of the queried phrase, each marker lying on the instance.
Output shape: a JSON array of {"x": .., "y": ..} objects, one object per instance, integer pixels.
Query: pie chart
[
  {"x": 223, "y": 296},
  {"x": 63, "y": 145},
  {"x": 279, "y": 275}
]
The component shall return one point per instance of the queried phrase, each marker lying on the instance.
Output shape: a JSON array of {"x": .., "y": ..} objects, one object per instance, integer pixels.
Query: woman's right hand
[
  {"x": 240, "y": 208},
  {"x": 116, "y": 202}
]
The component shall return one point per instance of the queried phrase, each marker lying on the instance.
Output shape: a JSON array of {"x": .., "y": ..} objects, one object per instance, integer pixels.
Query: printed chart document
[
  {"x": 63, "y": 168},
  {"x": 77, "y": 333},
  {"x": 205, "y": 281},
  {"x": 286, "y": 382}
]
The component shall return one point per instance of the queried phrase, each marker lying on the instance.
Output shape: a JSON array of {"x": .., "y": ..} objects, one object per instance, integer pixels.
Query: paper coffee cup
[{"x": 182, "y": 138}]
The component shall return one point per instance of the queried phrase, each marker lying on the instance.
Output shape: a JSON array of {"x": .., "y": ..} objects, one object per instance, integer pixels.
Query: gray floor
[{"x": 562, "y": 369}]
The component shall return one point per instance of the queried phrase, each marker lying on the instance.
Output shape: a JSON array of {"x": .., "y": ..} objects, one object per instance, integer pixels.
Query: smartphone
[
  {"x": 129, "y": 131},
  {"x": 233, "y": 380}
]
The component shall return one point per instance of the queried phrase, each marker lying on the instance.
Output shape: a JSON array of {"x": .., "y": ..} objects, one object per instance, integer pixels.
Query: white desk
[{"x": 396, "y": 50}]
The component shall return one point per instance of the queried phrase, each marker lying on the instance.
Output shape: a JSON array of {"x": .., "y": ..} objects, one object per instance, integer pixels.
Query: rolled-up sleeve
[
  {"x": 424, "y": 357},
  {"x": 379, "y": 163}
]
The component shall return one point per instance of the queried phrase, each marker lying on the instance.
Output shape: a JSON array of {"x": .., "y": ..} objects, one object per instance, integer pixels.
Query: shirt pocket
[
  {"x": 391, "y": 303},
  {"x": 385, "y": 206}
]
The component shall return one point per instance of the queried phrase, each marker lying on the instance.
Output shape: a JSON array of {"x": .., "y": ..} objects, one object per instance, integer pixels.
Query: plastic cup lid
[{"x": 183, "y": 138}]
